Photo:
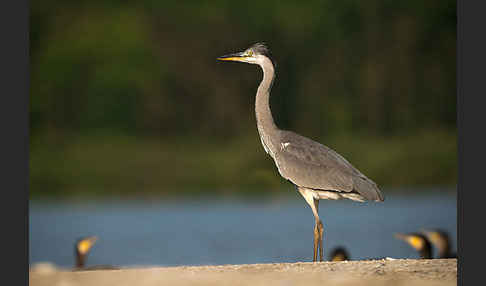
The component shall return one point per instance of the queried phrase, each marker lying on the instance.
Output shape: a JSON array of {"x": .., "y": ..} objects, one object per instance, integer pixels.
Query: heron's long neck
[{"x": 266, "y": 125}]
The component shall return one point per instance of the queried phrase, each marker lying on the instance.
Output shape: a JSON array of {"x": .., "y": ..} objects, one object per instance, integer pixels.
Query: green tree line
[{"x": 129, "y": 95}]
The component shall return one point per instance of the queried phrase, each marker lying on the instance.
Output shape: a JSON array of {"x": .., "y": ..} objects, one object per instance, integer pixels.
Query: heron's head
[
  {"x": 83, "y": 245},
  {"x": 256, "y": 54}
]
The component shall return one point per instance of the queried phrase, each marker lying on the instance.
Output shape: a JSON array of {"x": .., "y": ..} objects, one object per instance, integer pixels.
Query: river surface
[{"x": 231, "y": 231}]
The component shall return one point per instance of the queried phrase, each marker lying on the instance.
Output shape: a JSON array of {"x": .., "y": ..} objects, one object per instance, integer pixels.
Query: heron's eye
[{"x": 249, "y": 53}]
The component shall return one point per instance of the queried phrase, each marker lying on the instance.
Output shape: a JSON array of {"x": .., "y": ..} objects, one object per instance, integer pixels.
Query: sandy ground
[{"x": 375, "y": 272}]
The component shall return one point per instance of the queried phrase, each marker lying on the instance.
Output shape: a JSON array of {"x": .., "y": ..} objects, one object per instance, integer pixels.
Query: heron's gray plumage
[{"x": 309, "y": 164}]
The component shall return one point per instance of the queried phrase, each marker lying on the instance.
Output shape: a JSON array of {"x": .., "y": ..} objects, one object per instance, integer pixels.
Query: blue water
[{"x": 225, "y": 231}]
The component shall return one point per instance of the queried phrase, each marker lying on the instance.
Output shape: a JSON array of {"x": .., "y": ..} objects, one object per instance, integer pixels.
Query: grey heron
[
  {"x": 317, "y": 171},
  {"x": 419, "y": 242}
]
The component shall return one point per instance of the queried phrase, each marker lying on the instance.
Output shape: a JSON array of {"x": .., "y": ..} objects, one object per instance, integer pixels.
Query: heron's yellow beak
[{"x": 236, "y": 57}]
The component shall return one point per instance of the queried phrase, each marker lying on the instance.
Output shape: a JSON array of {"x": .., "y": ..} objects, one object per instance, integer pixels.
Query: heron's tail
[{"x": 368, "y": 189}]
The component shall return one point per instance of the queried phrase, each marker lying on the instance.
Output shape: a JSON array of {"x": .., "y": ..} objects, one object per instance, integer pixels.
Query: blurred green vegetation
[{"x": 128, "y": 99}]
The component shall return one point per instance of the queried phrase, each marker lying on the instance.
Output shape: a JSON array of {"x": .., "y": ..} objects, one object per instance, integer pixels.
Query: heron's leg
[
  {"x": 316, "y": 243},
  {"x": 321, "y": 232},
  {"x": 318, "y": 228},
  {"x": 318, "y": 232}
]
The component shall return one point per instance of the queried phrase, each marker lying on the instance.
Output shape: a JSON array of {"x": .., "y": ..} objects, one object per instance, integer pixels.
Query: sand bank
[{"x": 374, "y": 272}]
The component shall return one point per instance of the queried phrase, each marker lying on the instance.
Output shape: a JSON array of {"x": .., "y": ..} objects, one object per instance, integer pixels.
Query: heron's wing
[{"x": 310, "y": 164}]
